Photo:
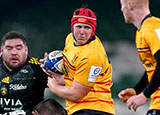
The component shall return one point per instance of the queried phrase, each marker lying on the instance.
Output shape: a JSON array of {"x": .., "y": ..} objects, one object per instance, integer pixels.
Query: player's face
[
  {"x": 81, "y": 33},
  {"x": 14, "y": 53},
  {"x": 126, "y": 11}
]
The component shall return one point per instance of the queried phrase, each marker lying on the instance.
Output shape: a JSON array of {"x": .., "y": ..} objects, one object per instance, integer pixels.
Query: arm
[
  {"x": 142, "y": 98},
  {"x": 139, "y": 87},
  {"x": 155, "y": 82},
  {"x": 73, "y": 93},
  {"x": 124, "y": 95}
]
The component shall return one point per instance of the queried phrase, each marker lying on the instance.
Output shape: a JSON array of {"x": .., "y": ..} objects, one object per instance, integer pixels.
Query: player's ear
[
  {"x": 1, "y": 50},
  {"x": 26, "y": 49}
]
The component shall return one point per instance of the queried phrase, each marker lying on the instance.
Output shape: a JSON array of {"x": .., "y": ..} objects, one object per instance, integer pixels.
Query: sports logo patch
[
  {"x": 6, "y": 80},
  {"x": 94, "y": 72},
  {"x": 158, "y": 32},
  {"x": 82, "y": 20},
  {"x": 3, "y": 90}
]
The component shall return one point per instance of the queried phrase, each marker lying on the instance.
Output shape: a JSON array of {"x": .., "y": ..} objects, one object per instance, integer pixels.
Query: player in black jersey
[{"x": 22, "y": 81}]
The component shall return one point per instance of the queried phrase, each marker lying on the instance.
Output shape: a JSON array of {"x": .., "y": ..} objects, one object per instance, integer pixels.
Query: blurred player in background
[
  {"x": 49, "y": 107},
  {"x": 22, "y": 80},
  {"x": 88, "y": 72},
  {"x": 137, "y": 12}
]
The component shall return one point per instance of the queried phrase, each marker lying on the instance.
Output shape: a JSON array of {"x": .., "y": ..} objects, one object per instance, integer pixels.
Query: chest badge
[
  {"x": 3, "y": 90},
  {"x": 6, "y": 80},
  {"x": 74, "y": 58}
]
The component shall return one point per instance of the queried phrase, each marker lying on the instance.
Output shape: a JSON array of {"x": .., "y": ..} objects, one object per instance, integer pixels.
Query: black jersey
[{"x": 23, "y": 88}]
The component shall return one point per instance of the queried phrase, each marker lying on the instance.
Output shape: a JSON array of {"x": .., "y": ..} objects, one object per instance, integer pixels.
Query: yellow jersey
[
  {"x": 148, "y": 43},
  {"x": 88, "y": 64}
]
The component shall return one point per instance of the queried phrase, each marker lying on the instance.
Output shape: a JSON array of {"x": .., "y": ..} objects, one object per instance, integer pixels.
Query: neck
[{"x": 139, "y": 15}]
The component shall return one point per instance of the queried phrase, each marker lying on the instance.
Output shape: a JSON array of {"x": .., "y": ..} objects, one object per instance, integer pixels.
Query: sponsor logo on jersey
[
  {"x": 94, "y": 72},
  {"x": 15, "y": 103},
  {"x": 24, "y": 71},
  {"x": 6, "y": 80},
  {"x": 158, "y": 32},
  {"x": 16, "y": 87}
]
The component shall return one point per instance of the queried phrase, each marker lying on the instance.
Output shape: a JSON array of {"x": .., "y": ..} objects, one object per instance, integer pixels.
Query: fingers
[
  {"x": 42, "y": 60},
  {"x": 134, "y": 107},
  {"x": 131, "y": 103},
  {"x": 121, "y": 97},
  {"x": 45, "y": 54},
  {"x": 124, "y": 95}
]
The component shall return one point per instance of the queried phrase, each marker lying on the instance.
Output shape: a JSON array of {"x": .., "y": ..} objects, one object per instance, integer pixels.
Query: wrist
[{"x": 143, "y": 94}]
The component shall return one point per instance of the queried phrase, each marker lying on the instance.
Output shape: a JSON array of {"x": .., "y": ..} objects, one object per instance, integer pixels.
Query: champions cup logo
[
  {"x": 96, "y": 71},
  {"x": 82, "y": 20}
]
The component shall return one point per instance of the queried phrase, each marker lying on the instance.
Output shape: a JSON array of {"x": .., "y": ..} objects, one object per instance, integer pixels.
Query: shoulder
[
  {"x": 69, "y": 38},
  {"x": 151, "y": 23},
  {"x": 35, "y": 65},
  {"x": 94, "y": 50},
  {"x": 33, "y": 60}
]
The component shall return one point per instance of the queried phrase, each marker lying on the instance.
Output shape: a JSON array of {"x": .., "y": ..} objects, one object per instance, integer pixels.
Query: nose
[
  {"x": 14, "y": 51},
  {"x": 82, "y": 30}
]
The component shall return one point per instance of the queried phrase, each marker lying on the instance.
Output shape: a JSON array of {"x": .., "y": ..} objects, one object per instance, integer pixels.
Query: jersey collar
[{"x": 149, "y": 15}]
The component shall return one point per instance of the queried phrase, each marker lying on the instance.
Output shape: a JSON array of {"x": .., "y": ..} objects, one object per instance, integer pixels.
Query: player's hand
[
  {"x": 60, "y": 79},
  {"x": 135, "y": 101},
  {"x": 42, "y": 63},
  {"x": 124, "y": 95},
  {"x": 52, "y": 84}
]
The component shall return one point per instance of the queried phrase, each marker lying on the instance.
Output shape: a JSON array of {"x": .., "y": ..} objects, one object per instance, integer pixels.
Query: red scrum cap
[{"x": 84, "y": 16}]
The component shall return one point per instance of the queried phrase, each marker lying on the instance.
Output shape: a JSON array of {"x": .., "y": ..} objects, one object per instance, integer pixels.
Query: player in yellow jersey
[
  {"x": 88, "y": 72},
  {"x": 137, "y": 12}
]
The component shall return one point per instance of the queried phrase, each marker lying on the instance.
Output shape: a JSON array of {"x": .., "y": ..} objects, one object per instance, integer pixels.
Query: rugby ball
[{"x": 53, "y": 62}]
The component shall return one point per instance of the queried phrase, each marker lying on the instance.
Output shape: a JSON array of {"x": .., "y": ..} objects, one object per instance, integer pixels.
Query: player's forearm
[
  {"x": 154, "y": 84},
  {"x": 141, "y": 84},
  {"x": 60, "y": 79},
  {"x": 66, "y": 92}
]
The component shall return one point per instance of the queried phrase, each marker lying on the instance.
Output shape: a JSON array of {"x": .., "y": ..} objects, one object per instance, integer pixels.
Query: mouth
[
  {"x": 14, "y": 60},
  {"x": 80, "y": 38}
]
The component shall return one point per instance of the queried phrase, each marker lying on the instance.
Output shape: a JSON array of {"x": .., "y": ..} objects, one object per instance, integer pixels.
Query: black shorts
[
  {"x": 90, "y": 112},
  {"x": 153, "y": 112}
]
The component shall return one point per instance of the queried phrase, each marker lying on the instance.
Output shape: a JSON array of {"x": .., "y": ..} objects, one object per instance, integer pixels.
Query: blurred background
[{"x": 46, "y": 23}]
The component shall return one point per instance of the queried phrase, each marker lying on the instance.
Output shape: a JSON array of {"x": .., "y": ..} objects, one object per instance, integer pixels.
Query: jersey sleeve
[
  {"x": 82, "y": 73},
  {"x": 40, "y": 75},
  {"x": 88, "y": 70}
]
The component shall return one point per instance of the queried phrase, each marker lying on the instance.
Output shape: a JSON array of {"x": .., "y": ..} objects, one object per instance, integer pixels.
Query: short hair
[
  {"x": 50, "y": 107},
  {"x": 13, "y": 35}
]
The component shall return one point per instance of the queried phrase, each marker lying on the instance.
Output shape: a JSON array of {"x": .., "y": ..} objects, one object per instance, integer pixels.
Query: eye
[
  {"x": 87, "y": 27},
  {"x": 9, "y": 47},
  {"x": 19, "y": 47},
  {"x": 79, "y": 26}
]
